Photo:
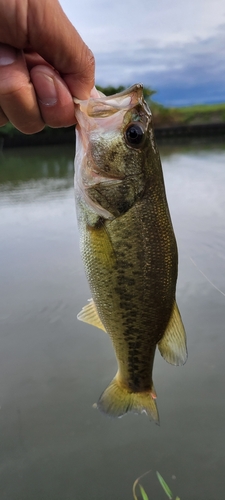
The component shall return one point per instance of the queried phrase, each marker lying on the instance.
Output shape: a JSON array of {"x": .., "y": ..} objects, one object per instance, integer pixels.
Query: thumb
[{"x": 52, "y": 35}]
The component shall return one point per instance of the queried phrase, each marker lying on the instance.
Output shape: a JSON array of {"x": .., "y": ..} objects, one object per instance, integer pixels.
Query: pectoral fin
[
  {"x": 89, "y": 314},
  {"x": 173, "y": 344}
]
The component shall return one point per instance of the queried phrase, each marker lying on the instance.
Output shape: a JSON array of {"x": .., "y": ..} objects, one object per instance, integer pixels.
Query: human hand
[{"x": 43, "y": 63}]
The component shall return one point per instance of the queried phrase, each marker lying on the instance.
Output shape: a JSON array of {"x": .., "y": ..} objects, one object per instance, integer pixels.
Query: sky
[{"x": 176, "y": 47}]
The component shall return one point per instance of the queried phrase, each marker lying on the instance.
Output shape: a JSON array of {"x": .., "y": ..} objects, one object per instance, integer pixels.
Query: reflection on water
[{"x": 54, "y": 446}]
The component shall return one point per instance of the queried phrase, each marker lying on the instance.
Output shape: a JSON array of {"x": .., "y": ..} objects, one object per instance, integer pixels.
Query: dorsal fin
[
  {"x": 89, "y": 314},
  {"x": 173, "y": 344}
]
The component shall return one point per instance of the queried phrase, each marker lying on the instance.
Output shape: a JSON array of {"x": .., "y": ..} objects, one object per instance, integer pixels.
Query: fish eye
[{"x": 134, "y": 135}]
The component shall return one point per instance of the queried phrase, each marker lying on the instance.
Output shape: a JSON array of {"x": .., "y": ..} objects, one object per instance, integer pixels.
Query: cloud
[
  {"x": 104, "y": 25},
  {"x": 174, "y": 47},
  {"x": 182, "y": 73}
]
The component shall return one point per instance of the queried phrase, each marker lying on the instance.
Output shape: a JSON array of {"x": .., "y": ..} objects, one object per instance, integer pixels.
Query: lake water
[{"x": 54, "y": 445}]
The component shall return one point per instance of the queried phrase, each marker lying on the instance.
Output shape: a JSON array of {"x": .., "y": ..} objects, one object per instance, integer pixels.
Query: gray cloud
[{"x": 182, "y": 73}]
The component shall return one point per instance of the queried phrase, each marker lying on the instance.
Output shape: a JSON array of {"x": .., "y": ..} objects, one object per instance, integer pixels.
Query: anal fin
[
  {"x": 89, "y": 314},
  {"x": 172, "y": 346}
]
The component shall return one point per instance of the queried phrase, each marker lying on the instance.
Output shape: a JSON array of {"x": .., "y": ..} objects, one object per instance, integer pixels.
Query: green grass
[
  {"x": 7, "y": 129},
  {"x": 212, "y": 113},
  {"x": 163, "y": 116},
  {"x": 143, "y": 493},
  {"x": 203, "y": 108}
]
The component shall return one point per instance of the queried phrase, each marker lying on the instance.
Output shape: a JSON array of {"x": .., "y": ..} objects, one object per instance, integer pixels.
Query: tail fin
[{"x": 116, "y": 400}]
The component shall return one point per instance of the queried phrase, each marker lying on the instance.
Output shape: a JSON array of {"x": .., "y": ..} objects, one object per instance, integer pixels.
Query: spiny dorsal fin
[
  {"x": 173, "y": 344},
  {"x": 89, "y": 314}
]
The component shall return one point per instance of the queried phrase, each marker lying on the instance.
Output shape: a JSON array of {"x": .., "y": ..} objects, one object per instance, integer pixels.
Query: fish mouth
[
  {"x": 108, "y": 112},
  {"x": 104, "y": 106}
]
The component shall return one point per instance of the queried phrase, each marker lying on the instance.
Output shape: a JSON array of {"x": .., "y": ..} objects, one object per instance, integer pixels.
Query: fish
[{"x": 127, "y": 245}]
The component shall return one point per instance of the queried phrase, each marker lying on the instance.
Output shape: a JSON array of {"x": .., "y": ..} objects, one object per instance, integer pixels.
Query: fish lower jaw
[{"x": 95, "y": 178}]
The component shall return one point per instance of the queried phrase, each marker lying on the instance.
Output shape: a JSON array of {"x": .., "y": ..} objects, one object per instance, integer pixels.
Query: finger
[
  {"x": 34, "y": 59},
  {"x": 3, "y": 118},
  {"x": 44, "y": 26},
  {"x": 54, "y": 98},
  {"x": 17, "y": 96},
  {"x": 61, "y": 45}
]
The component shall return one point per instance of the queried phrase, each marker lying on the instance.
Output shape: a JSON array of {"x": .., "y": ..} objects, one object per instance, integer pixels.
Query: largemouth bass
[{"x": 127, "y": 245}]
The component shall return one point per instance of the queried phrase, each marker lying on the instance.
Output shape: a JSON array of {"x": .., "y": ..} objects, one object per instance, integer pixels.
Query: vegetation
[
  {"x": 162, "y": 482},
  {"x": 115, "y": 90},
  {"x": 190, "y": 115},
  {"x": 8, "y": 129},
  {"x": 162, "y": 117},
  {"x": 205, "y": 113}
]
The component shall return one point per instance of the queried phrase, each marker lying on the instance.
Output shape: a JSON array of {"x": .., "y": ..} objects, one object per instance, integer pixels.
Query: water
[{"x": 54, "y": 445}]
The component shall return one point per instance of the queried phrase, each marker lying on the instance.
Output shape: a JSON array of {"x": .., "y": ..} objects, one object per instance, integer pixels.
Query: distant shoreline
[
  {"x": 198, "y": 130},
  {"x": 66, "y": 135}
]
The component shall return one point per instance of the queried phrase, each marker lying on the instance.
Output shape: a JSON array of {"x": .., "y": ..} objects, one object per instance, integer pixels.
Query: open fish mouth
[{"x": 104, "y": 106}]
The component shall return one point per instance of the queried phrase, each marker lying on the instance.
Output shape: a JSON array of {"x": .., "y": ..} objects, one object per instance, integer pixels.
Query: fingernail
[
  {"x": 45, "y": 89},
  {"x": 8, "y": 55}
]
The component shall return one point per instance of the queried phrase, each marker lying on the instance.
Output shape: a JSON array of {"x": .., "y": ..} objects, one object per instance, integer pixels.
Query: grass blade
[
  {"x": 144, "y": 494},
  {"x": 141, "y": 488},
  {"x": 134, "y": 489},
  {"x": 165, "y": 486}
]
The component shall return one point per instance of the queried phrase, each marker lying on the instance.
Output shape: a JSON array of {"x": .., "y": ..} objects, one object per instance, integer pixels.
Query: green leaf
[
  {"x": 165, "y": 486},
  {"x": 144, "y": 494}
]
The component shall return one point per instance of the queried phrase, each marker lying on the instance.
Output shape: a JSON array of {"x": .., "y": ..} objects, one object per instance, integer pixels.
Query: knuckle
[{"x": 10, "y": 87}]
